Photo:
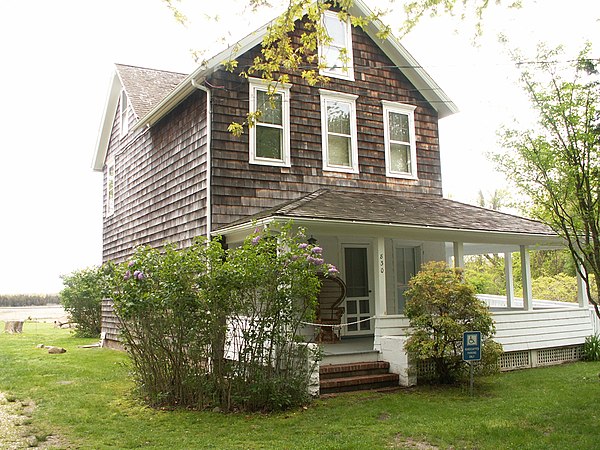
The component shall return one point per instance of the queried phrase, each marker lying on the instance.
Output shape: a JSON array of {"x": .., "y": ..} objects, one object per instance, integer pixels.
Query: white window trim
[
  {"x": 348, "y": 98},
  {"x": 349, "y": 75},
  {"x": 255, "y": 85},
  {"x": 124, "y": 108},
  {"x": 110, "y": 201},
  {"x": 408, "y": 110}
]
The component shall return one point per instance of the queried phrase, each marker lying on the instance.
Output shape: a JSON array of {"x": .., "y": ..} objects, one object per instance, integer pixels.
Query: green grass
[{"x": 85, "y": 396}]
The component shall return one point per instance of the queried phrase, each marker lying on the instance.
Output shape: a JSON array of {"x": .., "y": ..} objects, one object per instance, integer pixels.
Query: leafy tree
[
  {"x": 557, "y": 165},
  {"x": 82, "y": 299},
  {"x": 440, "y": 307}
]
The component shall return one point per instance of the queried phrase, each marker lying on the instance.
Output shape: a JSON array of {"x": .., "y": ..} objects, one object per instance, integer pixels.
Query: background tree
[
  {"x": 557, "y": 164},
  {"x": 82, "y": 299}
]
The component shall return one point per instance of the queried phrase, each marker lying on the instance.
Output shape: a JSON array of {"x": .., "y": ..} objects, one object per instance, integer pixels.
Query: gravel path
[{"x": 17, "y": 430}]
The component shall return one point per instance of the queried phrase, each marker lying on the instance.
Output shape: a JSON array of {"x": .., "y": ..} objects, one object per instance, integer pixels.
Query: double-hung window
[
  {"x": 336, "y": 54},
  {"x": 124, "y": 118},
  {"x": 338, "y": 124},
  {"x": 110, "y": 187},
  {"x": 399, "y": 131},
  {"x": 270, "y": 135}
]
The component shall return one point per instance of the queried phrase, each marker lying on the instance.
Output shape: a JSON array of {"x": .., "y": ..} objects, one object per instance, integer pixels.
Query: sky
[{"x": 58, "y": 57}]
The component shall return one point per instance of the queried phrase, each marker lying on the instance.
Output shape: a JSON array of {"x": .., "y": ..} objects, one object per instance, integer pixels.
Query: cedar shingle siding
[{"x": 160, "y": 192}]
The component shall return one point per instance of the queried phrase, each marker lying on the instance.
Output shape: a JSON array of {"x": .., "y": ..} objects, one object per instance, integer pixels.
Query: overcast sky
[{"x": 57, "y": 59}]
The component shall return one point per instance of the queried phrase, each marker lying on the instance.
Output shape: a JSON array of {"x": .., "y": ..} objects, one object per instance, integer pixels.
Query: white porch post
[
  {"x": 510, "y": 281},
  {"x": 582, "y": 297},
  {"x": 380, "y": 293},
  {"x": 459, "y": 255},
  {"x": 526, "y": 276}
]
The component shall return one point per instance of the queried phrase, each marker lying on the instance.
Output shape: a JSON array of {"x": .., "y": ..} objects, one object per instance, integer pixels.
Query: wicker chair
[{"x": 329, "y": 312}]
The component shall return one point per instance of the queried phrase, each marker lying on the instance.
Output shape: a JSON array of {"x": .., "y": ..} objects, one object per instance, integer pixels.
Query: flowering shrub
[
  {"x": 206, "y": 326},
  {"x": 440, "y": 307}
]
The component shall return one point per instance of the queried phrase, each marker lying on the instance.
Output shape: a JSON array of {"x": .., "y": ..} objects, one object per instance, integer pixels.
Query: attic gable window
[
  {"x": 124, "y": 119},
  {"x": 399, "y": 132},
  {"x": 270, "y": 136},
  {"x": 110, "y": 187},
  {"x": 336, "y": 55},
  {"x": 338, "y": 126}
]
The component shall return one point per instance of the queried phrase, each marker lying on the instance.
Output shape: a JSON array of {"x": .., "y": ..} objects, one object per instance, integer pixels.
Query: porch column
[
  {"x": 526, "y": 276},
  {"x": 582, "y": 296},
  {"x": 510, "y": 281},
  {"x": 459, "y": 255},
  {"x": 380, "y": 292}
]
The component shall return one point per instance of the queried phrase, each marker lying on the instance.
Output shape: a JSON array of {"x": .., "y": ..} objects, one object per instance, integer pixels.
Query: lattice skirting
[{"x": 522, "y": 359}]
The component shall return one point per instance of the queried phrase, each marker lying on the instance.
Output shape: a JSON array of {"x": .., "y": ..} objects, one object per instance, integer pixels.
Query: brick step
[
  {"x": 353, "y": 369},
  {"x": 359, "y": 383}
]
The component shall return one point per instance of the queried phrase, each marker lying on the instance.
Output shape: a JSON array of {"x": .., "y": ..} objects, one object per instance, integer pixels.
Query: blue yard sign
[{"x": 472, "y": 346}]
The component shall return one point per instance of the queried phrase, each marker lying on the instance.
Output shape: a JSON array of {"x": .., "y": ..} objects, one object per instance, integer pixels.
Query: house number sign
[{"x": 381, "y": 263}]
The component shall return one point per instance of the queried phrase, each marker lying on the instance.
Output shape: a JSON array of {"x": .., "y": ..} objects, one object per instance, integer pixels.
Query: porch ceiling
[{"x": 401, "y": 216}]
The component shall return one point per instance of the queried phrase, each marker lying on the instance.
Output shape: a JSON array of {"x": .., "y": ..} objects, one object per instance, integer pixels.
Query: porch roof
[{"x": 439, "y": 217}]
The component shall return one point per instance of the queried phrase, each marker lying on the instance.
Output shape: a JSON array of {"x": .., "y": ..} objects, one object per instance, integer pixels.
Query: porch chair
[{"x": 331, "y": 295}]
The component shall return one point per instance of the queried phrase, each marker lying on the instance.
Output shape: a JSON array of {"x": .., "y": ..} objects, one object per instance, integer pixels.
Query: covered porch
[{"x": 378, "y": 242}]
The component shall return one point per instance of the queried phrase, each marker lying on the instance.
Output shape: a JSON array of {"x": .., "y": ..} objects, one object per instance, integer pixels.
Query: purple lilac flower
[
  {"x": 303, "y": 245},
  {"x": 127, "y": 275},
  {"x": 317, "y": 261},
  {"x": 136, "y": 273},
  {"x": 255, "y": 240},
  {"x": 332, "y": 270},
  {"x": 294, "y": 257},
  {"x": 317, "y": 250},
  {"x": 130, "y": 263},
  {"x": 140, "y": 276}
]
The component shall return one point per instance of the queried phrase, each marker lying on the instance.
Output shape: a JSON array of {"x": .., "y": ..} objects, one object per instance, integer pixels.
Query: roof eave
[{"x": 108, "y": 117}]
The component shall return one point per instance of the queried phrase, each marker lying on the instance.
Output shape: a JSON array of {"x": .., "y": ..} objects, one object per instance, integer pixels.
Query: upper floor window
[
  {"x": 270, "y": 136},
  {"x": 338, "y": 124},
  {"x": 124, "y": 118},
  {"x": 336, "y": 55},
  {"x": 110, "y": 187},
  {"x": 400, "y": 148}
]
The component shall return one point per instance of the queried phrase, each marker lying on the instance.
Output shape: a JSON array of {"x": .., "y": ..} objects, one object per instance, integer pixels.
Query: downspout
[{"x": 208, "y": 156}]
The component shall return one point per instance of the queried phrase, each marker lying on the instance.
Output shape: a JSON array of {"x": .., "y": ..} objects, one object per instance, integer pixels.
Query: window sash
[
  {"x": 340, "y": 150},
  {"x": 400, "y": 146},
  {"x": 340, "y": 33},
  {"x": 270, "y": 135},
  {"x": 110, "y": 188}
]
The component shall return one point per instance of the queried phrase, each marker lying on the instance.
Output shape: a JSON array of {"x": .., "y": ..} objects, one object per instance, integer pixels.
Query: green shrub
[
  {"x": 441, "y": 306},
  {"x": 591, "y": 348},
  {"x": 82, "y": 299}
]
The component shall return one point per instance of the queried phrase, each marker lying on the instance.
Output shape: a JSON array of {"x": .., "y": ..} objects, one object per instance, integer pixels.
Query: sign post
[{"x": 471, "y": 351}]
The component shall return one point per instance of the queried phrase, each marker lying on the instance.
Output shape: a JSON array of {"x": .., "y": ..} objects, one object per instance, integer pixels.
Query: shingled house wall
[
  {"x": 160, "y": 190},
  {"x": 242, "y": 189}
]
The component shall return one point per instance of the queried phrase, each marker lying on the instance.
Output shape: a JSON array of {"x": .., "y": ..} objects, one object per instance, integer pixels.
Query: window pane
[
  {"x": 336, "y": 30},
  {"x": 364, "y": 306},
  {"x": 353, "y": 325},
  {"x": 270, "y": 108},
  {"x": 351, "y": 307},
  {"x": 399, "y": 127},
  {"x": 338, "y": 117},
  {"x": 400, "y": 158},
  {"x": 339, "y": 150},
  {"x": 366, "y": 325},
  {"x": 268, "y": 142}
]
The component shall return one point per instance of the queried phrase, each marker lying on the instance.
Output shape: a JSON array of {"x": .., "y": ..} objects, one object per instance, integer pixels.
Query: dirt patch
[{"x": 17, "y": 430}]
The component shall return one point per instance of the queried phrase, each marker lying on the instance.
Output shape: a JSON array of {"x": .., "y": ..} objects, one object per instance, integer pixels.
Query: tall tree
[{"x": 557, "y": 164}]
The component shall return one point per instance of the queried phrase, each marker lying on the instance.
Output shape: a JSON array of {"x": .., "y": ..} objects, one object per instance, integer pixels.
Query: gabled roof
[
  {"x": 434, "y": 214},
  {"x": 390, "y": 46},
  {"x": 144, "y": 87}
]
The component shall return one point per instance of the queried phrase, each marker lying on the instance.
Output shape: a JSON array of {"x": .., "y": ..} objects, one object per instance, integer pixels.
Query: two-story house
[{"x": 356, "y": 161}]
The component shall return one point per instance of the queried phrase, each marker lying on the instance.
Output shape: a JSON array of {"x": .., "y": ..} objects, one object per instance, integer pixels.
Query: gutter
[{"x": 208, "y": 156}]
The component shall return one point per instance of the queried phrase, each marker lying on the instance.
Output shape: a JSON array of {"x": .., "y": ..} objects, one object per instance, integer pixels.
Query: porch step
[{"x": 356, "y": 377}]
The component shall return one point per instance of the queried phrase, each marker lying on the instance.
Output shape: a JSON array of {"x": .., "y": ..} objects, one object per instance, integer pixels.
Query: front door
[{"x": 359, "y": 298}]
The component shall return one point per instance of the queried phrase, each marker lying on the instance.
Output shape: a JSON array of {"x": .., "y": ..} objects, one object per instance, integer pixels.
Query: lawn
[{"x": 85, "y": 396}]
